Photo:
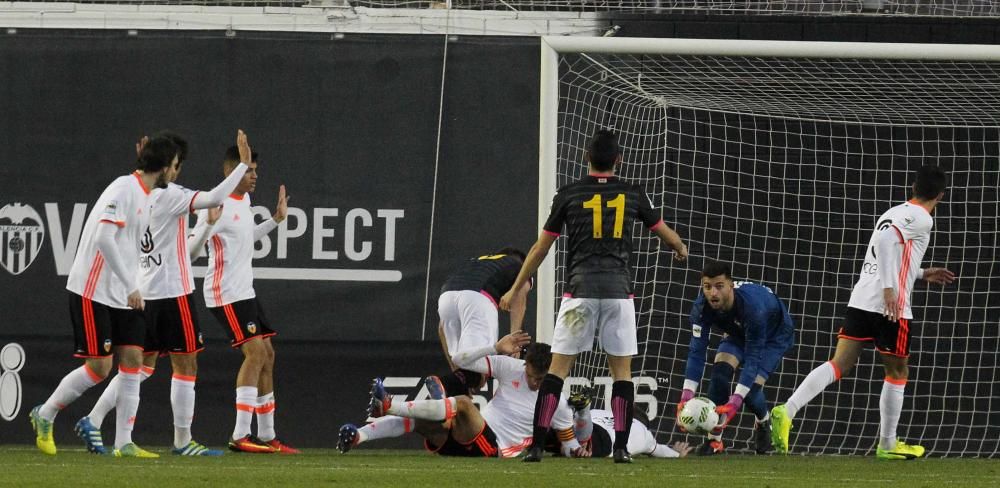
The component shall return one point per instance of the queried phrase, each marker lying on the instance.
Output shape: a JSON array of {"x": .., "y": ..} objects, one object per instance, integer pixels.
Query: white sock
[
  {"x": 70, "y": 388},
  {"x": 265, "y": 417},
  {"x": 246, "y": 403},
  {"x": 817, "y": 381},
  {"x": 109, "y": 397},
  {"x": 127, "y": 405},
  {"x": 182, "y": 403},
  {"x": 438, "y": 410},
  {"x": 385, "y": 427},
  {"x": 890, "y": 406}
]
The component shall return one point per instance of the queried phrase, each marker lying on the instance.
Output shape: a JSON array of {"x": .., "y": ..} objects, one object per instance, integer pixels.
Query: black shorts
[
  {"x": 889, "y": 337},
  {"x": 243, "y": 321},
  {"x": 172, "y": 327},
  {"x": 483, "y": 445},
  {"x": 97, "y": 328}
]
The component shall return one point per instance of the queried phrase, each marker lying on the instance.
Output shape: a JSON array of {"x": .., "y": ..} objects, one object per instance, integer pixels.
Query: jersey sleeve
[
  {"x": 557, "y": 215},
  {"x": 650, "y": 217},
  {"x": 698, "y": 347},
  {"x": 504, "y": 368},
  {"x": 175, "y": 199},
  {"x": 915, "y": 225},
  {"x": 114, "y": 209}
]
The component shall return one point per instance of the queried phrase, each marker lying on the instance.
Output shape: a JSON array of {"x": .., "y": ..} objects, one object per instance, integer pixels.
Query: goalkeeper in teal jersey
[{"x": 757, "y": 332}]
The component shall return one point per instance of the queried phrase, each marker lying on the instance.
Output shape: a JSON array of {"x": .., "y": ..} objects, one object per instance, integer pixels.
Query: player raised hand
[
  {"x": 513, "y": 342},
  {"x": 681, "y": 254},
  {"x": 246, "y": 155},
  {"x": 213, "y": 215},
  {"x": 281, "y": 209},
  {"x": 938, "y": 276}
]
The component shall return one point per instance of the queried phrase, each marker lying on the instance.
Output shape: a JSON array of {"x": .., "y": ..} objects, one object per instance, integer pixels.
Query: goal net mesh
[{"x": 780, "y": 167}]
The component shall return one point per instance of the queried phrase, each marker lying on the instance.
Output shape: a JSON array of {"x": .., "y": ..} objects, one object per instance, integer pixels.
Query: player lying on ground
[
  {"x": 595, "y": 430},
  {"x": 166, "y": 282},
  {"x": 469, "y": 316},
  {"x": 879, "y": 311},
  {"x": 455, "y": 427},
  {"x": 757, "y": 331}
]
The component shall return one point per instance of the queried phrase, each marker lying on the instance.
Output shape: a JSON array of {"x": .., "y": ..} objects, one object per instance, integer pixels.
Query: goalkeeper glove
[
  {"x": 727, "y": 412},
  {"x": 685, "y": 396}
]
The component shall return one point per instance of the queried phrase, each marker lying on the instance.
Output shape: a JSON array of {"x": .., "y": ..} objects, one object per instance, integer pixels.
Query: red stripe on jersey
[
  {"x": 94, "y": 276},
  {"x": 89, "y": 329},
  {"x": 217, "y": 276},
  {"x": 191, "y": 203},
  {"x": 904, "y": 273},
  {"x": 187, "y": 325},
  {"x": 182, "y": 254},
  {"x": 234, "y": 324}
]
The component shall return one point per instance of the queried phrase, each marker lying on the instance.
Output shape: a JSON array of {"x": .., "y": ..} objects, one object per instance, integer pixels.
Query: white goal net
[{"x": 778, "y": 157}]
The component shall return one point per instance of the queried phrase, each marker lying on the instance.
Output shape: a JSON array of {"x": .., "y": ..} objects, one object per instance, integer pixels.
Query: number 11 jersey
[{"x": 599, "y": 213}]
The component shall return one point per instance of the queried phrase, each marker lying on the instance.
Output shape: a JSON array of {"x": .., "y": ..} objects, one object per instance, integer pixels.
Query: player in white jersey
[
  {"x": 105, "y": 299},
  {"x": 879, "y": 311},
  {"x": 167, "y": 285},
  {"x": 595, "y": 430},
  {"x": 453, "y": 426},
  {"x": 231, "y": 298}
]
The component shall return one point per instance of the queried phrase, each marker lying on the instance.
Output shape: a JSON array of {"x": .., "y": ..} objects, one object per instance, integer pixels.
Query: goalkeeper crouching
[{"x": 757, "y": 332}]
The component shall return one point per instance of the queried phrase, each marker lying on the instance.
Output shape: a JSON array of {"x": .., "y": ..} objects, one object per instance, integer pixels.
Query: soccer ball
[{"x": 698, "y": 416}]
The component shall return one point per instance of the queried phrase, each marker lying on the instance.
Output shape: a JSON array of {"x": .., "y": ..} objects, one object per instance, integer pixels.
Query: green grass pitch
[{"x": 23, "y": 466}]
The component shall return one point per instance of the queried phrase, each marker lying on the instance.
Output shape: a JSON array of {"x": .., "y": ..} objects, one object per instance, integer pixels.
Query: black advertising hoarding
[{"x": 351, "y": 128}]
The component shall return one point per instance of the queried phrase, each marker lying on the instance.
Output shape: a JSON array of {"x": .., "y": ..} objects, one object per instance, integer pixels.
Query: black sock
[
  {"x": 718, "y": 388},
  {"x": 622, "y": 403},
  {"x": 545, "y": 407}
]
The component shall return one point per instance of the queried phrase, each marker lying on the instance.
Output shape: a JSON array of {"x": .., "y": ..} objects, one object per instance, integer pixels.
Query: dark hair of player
[
  {"x": 157, "y": 154},
  {"x": 512, "y": 251},
  {"x": 931, "y": 182},
  {"x": 716, "y": 268},
  {"x": 233, "y": 157},
  {"x": 178, "y": 140},
  {"x": 603, "y": 150},
  {"x": 538, "y": 355}
]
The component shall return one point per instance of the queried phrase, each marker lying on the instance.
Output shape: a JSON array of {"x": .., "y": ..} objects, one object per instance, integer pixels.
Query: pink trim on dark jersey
[
  {"x": 657, "y": 224},
  {"x": 549, "y": 232},
  {"x": 182, "y": 254},
  {"x": 217, "y": 276},
  {"x": 487, "y": 295},
  {"x": 567, "y": 295},
  {"x": 605, "y": 175}
]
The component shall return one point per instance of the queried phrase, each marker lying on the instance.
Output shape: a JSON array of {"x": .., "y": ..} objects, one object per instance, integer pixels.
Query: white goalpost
[{"x": 777, "y": 157}]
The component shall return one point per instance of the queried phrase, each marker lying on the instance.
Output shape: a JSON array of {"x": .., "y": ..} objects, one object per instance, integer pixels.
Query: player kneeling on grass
[
  {"x": 595, "y": 430},
  {"x": 453, "y": 426},
  {"x": 757, "y": 333}
]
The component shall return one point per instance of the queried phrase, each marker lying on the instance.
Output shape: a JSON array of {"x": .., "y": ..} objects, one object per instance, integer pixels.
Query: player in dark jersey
[
  {"x": 468, "y": 310},
  {"x": 757, "y": 333},
  {"x": 598, "y": 213}
]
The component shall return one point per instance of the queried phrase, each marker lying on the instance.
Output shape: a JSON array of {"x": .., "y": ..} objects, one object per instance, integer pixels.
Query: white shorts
[
  {"x": 469, "y": 319},
  {"x": 581, "y": 318}
]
